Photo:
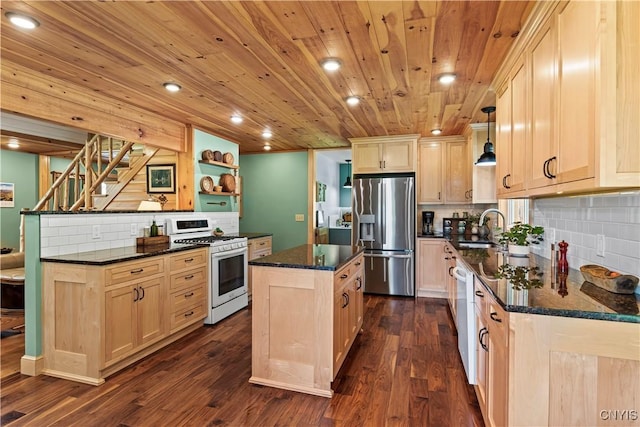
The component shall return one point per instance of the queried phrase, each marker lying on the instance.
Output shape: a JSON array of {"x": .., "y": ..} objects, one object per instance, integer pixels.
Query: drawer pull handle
[
  {"x": 142, "y": 289},
  {"x": 450, "y": 273},
  {"x": 263, "y": 243},
  {"x": 137, "y": 294},
  {"x": 494, "y": 317},
  {"x": 190, "y": 294},
  {"x": 140, "y": 270},
  {"x": 345, "y": 298},
  {"x": 358, "y": 263},
  {"x": 188, "y": 260},
  {"x": 481, "y": 335},
  {"x": 189, "y": 277},
  {"x": 480, "y": 294},
  {"x": 188, "y": 314},
  {"x": 344, "y": 276},
  {"x": 359, "y": 280}
]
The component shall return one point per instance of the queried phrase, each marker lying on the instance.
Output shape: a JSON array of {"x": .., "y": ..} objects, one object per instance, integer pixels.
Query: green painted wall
[
  {"x": 274, "y": 190},
  {"x": 204, "y": 141},
  {"x": 21, "y": 169}
]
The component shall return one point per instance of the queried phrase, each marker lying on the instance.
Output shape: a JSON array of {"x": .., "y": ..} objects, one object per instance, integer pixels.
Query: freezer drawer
[{"x": 389, "y": 273}]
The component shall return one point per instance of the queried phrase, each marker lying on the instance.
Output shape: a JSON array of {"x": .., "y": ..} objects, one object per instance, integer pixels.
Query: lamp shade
[
  {"x": 149, "y": 205},
  {"x": 347, "y": 182},
  {"x": 488, "y": 157}
]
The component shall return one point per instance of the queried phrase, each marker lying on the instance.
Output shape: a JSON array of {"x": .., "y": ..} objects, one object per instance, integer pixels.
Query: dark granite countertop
[
  {"x": 573, "y": 298},
  {"x": 115, "y": 255},
  {"x": 312, "y": 257},
  {"x": 254, "y": 235},
  {"x": 97, "y": 212}
]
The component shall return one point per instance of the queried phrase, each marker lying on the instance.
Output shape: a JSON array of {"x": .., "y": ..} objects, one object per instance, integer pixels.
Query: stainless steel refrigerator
[{"x": 383, "y": 221}]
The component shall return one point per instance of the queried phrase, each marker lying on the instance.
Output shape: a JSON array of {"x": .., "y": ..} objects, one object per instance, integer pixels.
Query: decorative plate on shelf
[
  {"x": 228, "y": 158},
  {"x": 228, "y": 182},
  {"x": 217, "y": 156},
  {"x": 207, "y": 155},
  {"x": 206, "y": 184}
]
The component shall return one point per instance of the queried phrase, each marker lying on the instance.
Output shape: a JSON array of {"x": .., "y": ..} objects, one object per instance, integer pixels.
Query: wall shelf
[
  {"x": 221, "y": 164},
  {"x": 218, "y": 193}
]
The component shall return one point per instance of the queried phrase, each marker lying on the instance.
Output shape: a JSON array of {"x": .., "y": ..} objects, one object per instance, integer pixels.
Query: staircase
[{"x": 97, "y": 174}]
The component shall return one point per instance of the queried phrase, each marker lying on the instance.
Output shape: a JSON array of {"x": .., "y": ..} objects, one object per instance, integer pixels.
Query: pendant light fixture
[
  {"x": 347, "y": 182},
  {"x": 488, "y": 157}
]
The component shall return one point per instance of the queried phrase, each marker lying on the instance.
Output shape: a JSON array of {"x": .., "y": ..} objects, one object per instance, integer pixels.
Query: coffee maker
[{"x": 427, "y": 222}]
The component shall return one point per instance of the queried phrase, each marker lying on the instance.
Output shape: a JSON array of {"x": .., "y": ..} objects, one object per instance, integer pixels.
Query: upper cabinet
[
  {"x": 569, "y": 101},
  {"x": 483, "y": 189},
  {"x": 384, "y": 154}
]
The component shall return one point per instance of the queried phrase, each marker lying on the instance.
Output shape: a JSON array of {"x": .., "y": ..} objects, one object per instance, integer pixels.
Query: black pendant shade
[
  {"x": 347, "y": 182},
  {"x": 488, "y": 157}
]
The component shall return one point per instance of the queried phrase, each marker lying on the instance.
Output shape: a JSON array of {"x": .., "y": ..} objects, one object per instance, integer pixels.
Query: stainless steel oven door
[{"x": 229, "y": 275}]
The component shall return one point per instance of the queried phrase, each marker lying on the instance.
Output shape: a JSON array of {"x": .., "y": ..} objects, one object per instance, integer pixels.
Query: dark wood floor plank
[{"x": 403, "y": 370}]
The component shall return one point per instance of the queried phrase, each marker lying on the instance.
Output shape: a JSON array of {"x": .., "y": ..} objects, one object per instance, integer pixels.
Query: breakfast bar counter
[{"x": 307, "y": 311}]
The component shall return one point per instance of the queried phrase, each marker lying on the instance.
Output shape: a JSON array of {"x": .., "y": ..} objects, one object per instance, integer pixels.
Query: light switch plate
[
  {"x": 600, "y": 245},
  {"x": 95, "y": 231},
  {"x": 134, "y": 229},
  {"x": 299, "y": 217}
]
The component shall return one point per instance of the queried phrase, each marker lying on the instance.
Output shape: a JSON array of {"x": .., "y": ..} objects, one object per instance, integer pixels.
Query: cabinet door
[
  {"x": 518, "y": 129},
  {"x": 482, "y": 353},
  {"x": 366, "y": 158},
  {"x": 543, "y": 145},
  {"x": 577, "y": 38},
  {"x": 149, "y": 311},
  {"x": 452, "y": 282},
  {"x": 430, "y": 173},
  {"x": 431, "y": 269},
  {"x": 119, "y": 322},
  {"x": 497, "y": 381},
  {"x": 457, "y": 173},
  {"x": 359, "y": 299},
  {"x": 340, "y": 327},
  {"x": 503, "y": 141},
  {"x": 398, "y": 156}
]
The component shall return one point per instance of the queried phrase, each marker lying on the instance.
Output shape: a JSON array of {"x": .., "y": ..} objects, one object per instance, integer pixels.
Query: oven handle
[
  {"x": 232, "y": 252},
  {"x": 460, "y": 274}
]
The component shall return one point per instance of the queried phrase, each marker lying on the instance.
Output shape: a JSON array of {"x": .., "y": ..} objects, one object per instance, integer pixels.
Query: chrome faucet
[{"x": 504, "y": 221}]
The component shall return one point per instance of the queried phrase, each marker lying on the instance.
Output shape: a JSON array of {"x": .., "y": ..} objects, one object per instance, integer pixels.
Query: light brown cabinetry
[
  {"x": 578, "y": 108},
  {"x": 304, "y": 323},
  {"x": 450, "y": 278},
  {"x": 258, "y": 248},
  {"x": 535, "y": 369},
  {"x": 99, "y": 319},
  {"x": 483, "y": 178},
  {"x": 384, "y": 154},
  {"x": 432, "y": 266},
  {"x": 444, "y": 172}
]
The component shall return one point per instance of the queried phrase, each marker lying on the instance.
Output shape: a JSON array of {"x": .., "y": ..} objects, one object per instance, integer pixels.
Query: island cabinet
[
  {"x": 567, "y": 94},
  {"x": 98, "y": 318},
  {"x": 305, "y": 319},
  {"x": 385, "y": 154}
]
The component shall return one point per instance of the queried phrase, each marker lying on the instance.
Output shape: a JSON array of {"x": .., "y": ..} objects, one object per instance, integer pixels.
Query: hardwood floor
[{"x": 403, "y": 370}]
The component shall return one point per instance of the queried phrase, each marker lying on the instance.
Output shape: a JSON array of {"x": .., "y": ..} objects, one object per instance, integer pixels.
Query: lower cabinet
[
  {"x": 99, "y": 319},
  {"x": 431, "y": 268},
  {"x": 540, "y": 370},
  {"x": 258, "y": 247},
  {"x": 304, "y": 322},
  {"x": 450, "y": 278}
]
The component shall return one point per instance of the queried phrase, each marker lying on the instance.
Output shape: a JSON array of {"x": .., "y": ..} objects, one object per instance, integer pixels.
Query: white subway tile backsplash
[{"x": 578, "y": 220}]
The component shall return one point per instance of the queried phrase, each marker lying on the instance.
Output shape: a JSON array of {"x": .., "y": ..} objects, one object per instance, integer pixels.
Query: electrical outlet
[
  {"x": 95, "y": 231},
  {"x": 134, "y": 230},
  {"x": 299, "y": 217},
  {"x": 600, "y": 245}
]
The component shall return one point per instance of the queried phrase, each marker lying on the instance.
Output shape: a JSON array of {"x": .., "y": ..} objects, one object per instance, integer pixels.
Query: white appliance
[
  {"x": 465, "y": 320},
  {"x": 229, "y": 264}
]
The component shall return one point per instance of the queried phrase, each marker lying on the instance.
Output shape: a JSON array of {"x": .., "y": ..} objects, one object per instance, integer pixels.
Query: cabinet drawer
[
  {"x": 188, "y": 278},
  {"x": 259, "y": 247},
  {"x": 497, "y": 322},
  {"x": 261, "y": 253},
  {"x": 187, "y": 316},
  {"x": 187, "y": 298},
  {"x": 187, "y": 259},
  {"x": 125, "y": 272},
  {"x": 480, "y": 295}
]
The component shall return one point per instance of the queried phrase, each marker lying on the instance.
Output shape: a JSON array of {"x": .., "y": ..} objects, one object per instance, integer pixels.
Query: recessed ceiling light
[
  {"x": 447, "y": 78},
  {"x": 22, "y": 21},
  {"x": 267, "y": 147},
  {"x": 13, "y": 143},
  {"x": 172, "y": 87},
  {"x": 353, "y": 100},
  {"x": 267, "y": 134},
  {"x": 331, "y": 64},
  {"x": 236, "y": 119},
  {"x": 436, "y": 131}
]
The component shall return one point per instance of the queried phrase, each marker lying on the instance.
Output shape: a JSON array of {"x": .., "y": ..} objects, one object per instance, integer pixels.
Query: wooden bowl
[
  {"x": 228, "y": 158},
  {"x": 217, "y": 156},
  {"x": 206, "y": 184},
  {"x": 609, "y": 280},
  {"x": 207, "y": 155},
  {"x": 228, "y": 182}
]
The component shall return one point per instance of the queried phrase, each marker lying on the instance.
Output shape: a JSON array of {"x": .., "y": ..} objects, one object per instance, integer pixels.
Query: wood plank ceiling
[{"x": 261, "y": 60}]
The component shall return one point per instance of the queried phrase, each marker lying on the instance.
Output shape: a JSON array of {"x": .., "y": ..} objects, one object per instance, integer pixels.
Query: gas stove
[{"x": 216, "y": 243}]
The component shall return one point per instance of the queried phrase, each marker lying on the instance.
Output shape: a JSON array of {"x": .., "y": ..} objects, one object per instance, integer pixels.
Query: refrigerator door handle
[
  {"x": 404, "y": 255},
  {"x": 383, "y": 203}
]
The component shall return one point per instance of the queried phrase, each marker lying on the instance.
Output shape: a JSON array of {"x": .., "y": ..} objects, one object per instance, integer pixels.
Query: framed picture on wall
[
  {"x": 161, "y": 178},
  {"x": 7, "y": 193}
]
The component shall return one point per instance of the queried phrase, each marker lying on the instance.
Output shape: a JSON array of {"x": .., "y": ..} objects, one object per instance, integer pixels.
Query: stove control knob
[{"x": 227, "y": 247}]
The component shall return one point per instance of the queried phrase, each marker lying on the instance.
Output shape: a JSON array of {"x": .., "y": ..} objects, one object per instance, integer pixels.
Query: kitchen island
[{"x": 307, "y": 311}]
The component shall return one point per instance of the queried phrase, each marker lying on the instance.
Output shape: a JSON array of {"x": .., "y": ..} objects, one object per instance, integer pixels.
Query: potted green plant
[{"x": 520, "y": 236}]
